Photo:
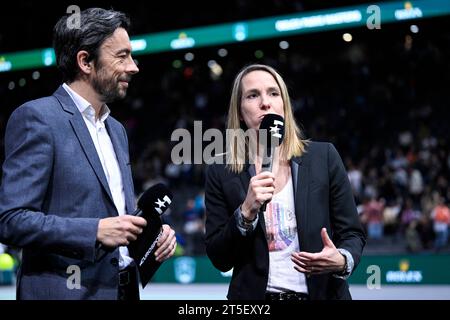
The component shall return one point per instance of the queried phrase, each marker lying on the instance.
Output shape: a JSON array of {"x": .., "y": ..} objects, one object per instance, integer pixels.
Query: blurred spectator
[
  {"x": 372, "y": 216},
  {"x": 194, "y": 225},
  {"x": 441, "y": 222},
  {"x": 412, "y": 237},
  {"x": 408, "y": 215},
  {"x": 415, "y": 185},
  {"x": 426, "y": 233},
  {"x": 391, "y": 217},
  {"x": 355, "y": 177}
]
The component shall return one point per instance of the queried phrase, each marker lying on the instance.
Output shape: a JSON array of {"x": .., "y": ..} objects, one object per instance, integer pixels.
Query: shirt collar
[{"x": 85, "y": 107}]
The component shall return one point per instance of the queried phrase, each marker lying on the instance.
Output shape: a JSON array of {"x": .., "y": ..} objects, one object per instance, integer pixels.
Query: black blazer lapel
[
  {"x": 83, "y": 136},
  {"x": 300, "y": 176},
  {"x": 245, "y": 177}
]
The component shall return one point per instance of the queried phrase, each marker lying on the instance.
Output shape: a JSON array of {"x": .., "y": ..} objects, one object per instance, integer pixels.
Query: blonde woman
[{"x": 309, "y": 239}]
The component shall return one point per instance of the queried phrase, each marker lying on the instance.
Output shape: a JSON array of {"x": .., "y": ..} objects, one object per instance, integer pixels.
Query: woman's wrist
[{"x": 246, "y": 215}]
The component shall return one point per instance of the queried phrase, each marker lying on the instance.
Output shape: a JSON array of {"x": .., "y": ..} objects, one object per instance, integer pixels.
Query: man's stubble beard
[{"x": 109, "y": 88}]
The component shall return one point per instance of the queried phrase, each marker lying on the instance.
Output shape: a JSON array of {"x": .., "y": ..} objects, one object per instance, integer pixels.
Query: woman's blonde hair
[{"x": 292, "y": 146}]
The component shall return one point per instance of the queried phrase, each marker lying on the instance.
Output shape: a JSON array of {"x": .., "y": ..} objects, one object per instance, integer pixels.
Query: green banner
[
  {"x": 403, "y": 269},
  {"x": 367, "y": 16},
  {"x": 383, "y": 269},
  {"x": 190, "y": 270}
]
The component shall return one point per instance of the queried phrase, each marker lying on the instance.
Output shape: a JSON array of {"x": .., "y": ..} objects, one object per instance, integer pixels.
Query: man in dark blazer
[
  {"x": 67, "y": 185},
  {"x": 329, "y": 233}
]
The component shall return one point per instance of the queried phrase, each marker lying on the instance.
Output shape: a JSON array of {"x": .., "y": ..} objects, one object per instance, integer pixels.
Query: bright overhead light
[
  {"x": 347, "y": 37},
  {"x": 284, "y": 45},
  {"x": 222, "y": 52},
  {"x": 189, "y": 56},
  {"x": 414, "y": 28}
]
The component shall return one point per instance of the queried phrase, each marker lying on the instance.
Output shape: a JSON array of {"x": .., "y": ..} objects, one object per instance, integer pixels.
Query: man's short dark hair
[{"x": 96, "y": 25}]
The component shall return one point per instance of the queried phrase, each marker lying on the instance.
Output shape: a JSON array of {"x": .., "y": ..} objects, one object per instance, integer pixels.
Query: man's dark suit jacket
[{"x": 323, "y": 198}]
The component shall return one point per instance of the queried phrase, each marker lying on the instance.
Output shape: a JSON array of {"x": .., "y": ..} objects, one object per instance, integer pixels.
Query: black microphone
[
  {"x": 271, "y": 134},
  {"x": 151, "y": 205}
]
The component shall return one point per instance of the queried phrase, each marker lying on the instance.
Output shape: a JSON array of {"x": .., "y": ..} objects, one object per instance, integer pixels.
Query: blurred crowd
[
  {"x": 382, "y": 99},
  {"x": 383, "y": 102}
]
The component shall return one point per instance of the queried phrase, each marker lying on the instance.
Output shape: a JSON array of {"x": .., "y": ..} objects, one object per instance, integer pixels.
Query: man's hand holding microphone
[{"x": 123, "y": 230}]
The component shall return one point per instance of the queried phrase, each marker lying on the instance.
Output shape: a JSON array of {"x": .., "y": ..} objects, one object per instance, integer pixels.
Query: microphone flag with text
[{"x": 151, "y": 205}]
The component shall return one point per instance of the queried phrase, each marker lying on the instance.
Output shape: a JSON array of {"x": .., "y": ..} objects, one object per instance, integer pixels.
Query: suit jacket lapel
[
  {"x": 82, "y": 133},
  {"x": 123, "y": 165},
  {"x": 245, "y": 176},
  {"x": 300, "y": 176}
]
